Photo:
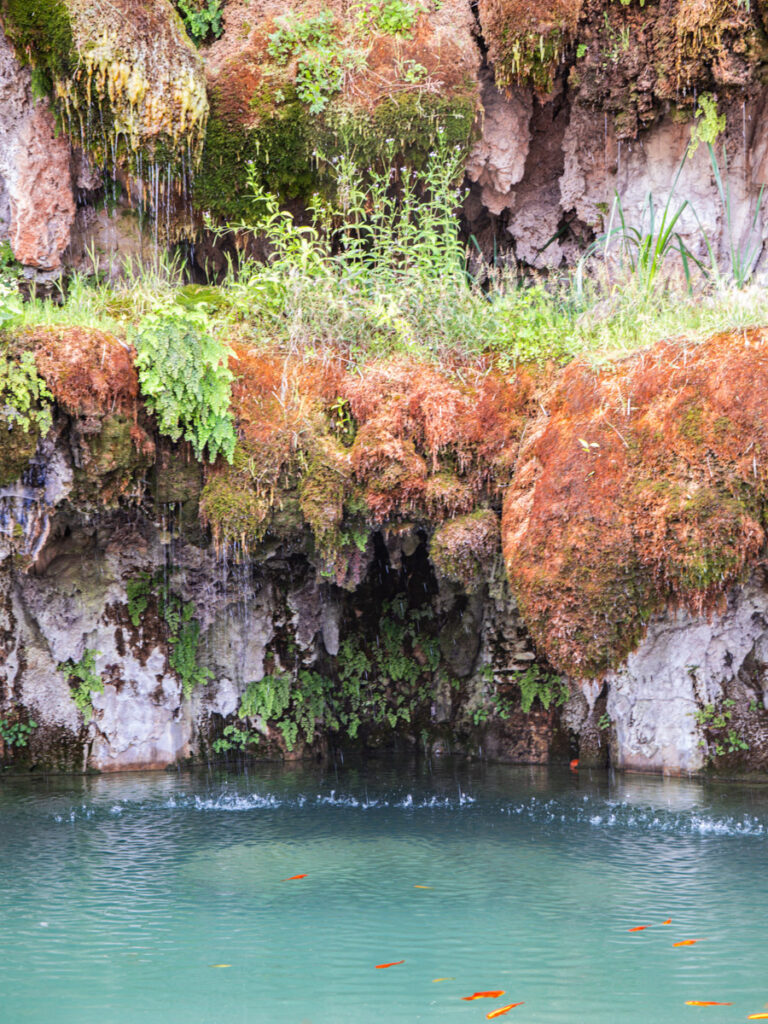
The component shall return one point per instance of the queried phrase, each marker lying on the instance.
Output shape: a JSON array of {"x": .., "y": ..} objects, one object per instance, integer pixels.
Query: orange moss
[
  {"x": 527, "y": 38},
  {"x": 89, "y": 372},
  {"x": 92, "y": 377},
  {"x": 645, "y": 485},
  {"x": 418, "y": 422},
  {"x": 342, "y": 451}
]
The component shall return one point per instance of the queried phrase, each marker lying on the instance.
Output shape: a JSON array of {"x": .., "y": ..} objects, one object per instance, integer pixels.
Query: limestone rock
[
  {"x": 684, "y": 663},
  {"x": 497, "y": 161},
  {"x": 37, "y": 205}
]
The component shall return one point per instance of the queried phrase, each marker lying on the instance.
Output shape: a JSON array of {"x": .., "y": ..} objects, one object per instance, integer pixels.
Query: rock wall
[
  {"x": 37, "y": 204},
  {"x": 557, "y": 114},
  {"x": 344, "y": 585}
]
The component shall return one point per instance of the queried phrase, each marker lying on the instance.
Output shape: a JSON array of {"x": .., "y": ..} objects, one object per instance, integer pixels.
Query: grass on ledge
[{"x": 385, "y": 272}]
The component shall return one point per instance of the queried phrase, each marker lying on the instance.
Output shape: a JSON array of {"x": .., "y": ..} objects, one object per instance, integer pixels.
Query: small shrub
[
  {"x": 392, "y": 17},
  {"x": 321, "y": 61},
  {"x": 15, "y": 733},
  {"x": 186, "y": 380},
  {"x": 202, "y": 18},
  {"x": 84, "y": 681}
]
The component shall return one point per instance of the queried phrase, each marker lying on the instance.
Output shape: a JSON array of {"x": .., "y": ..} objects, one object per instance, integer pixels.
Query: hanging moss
[
  {"x": 124, "y": 77},
  {"x": 527, "y": 39},
  {"x": 17, "y": 447},
  {"x": 321, "y": 498},
  {"x": 233, "y": 510},
  {"x": 282, "y": 150}
]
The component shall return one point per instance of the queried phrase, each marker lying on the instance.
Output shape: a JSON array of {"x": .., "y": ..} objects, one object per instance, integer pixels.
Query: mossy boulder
[
  {"x": 646, "y": 486},
  {"x": 464, "y": 550}
]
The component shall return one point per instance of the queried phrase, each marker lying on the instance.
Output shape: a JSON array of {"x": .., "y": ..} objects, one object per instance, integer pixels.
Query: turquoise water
[{"x": 119, "y": 895}]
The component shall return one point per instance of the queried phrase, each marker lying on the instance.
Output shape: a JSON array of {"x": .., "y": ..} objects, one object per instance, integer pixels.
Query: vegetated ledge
[{"x": 625, "y": 490}]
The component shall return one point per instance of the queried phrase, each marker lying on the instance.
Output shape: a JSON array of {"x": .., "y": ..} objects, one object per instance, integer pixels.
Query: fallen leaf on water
[
  {"x": 496, "y": 994},
  {"x": 640, "y": 928},
  {"x": 501, "y": 1011},
  {"x": 443, "y": 979},
  {"x": 699, "y": 1002},
  {"x": 394, "y": 963},
  {"x": 422, "y": 887},
  {"x": 687, "y": 942},
  {"x": 668, "y": 921},
  {"x": 219, "y": 965},
  {"x": 292, "y": 878},
  {"x": 758, "y": 1016}
]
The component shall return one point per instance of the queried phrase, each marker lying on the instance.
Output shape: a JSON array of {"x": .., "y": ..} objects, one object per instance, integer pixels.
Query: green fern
[{"x": 186, "y": 380}]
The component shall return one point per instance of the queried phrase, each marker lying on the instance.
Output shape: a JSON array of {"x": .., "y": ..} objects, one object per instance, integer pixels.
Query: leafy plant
[
  {"x": 319, "y": 75},
  {"x": 186, "y": 381},
  {"x": 320, "y": 61},
  {"x": 202, "y": 18},
  {"x": 716, "y": 716},
  {"x": 183, "y": 635},
  {"x": 295, "y": 33},
  {"x": 708, "y": 124},
  {"x": 412, "y": 72},
  {"x": 84, "y": 681},
  {"x": 25, "y": 401},
  {"x": 291, "y": 704},
  {"x": 234, "y": 739},
  {"x": 550, "y": 689},
  {"x": 393, "y": 17},
  {"x": 604, "y": 721},
  {"x": 15, "y": 733}
]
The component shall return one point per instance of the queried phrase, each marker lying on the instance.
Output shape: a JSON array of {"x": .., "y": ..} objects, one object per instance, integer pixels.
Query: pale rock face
[
  {"x": 141, "y": 722},
  {"x": 37, "y": 205},
  {"x": 682, "y": 664},
  {"x": 498, "y": 160}
]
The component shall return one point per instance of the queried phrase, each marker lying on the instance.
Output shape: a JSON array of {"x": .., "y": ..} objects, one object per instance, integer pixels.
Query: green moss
[
  {"x": 17, "y": 447},
  {"x": 404, "y": 128},
  {"x": 41, "y": 34},
  {"x": 233, "y": 509},
  {"x": 531, "y": 57},
  {"x": 691, "y": 423},
  {"x": 282, "y": 148},
  {"x": 321, "y": 499},
  {"x": 279, "y": 149}
]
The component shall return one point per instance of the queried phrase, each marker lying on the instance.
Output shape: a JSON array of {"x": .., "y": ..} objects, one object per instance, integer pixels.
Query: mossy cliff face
[
  {"x": 351, "y": 586},
  {"x": 294, "y": 86},
  {"x": 124, "y": 76},
  {"x": 633, "y": 61}
]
